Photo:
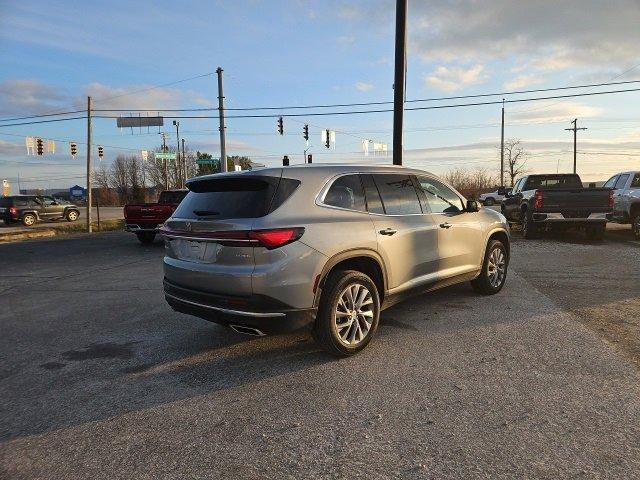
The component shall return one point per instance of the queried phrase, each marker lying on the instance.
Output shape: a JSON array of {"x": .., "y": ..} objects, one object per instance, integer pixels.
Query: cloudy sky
[{"x": 304, "y": 52}]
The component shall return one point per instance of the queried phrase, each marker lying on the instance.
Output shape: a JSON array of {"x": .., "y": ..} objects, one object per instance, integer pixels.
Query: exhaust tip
[{"x": 247, "y": 330}]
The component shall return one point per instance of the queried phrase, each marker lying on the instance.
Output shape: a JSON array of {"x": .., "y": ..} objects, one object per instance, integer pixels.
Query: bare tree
[
  {"x": 470, "y": 182},
  {"x": 515, "y": 157},
  {"x": 119, "y": 178}
]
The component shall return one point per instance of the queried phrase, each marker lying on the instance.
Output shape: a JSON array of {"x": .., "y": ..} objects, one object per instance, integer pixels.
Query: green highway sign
[
  {"x": 208, "y": 161},
  {"x": 165, "y": 156}
]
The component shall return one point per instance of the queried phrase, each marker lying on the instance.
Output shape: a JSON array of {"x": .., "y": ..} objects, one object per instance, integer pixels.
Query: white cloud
[
  {"x": 557, "y": 112},
  {"x": 522, "y": 81},
  {"x": 451, "y": 79},
  {"x": 11, "y": 149},
  {"x": 364, "y": 87},
  {"x": 142, "y": 97},
  {"x": 23, "y": 97}
]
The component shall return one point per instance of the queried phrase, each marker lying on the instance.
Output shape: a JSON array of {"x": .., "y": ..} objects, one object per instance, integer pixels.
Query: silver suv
[{"x": 326, "y": 247}]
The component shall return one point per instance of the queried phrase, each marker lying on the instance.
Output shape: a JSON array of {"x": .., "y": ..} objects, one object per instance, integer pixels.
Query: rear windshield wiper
[{"x": 206, "y": 213}]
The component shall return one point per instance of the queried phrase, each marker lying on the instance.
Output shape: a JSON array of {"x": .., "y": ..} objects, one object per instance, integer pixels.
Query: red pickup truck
[{"x": 144, "y": 219}]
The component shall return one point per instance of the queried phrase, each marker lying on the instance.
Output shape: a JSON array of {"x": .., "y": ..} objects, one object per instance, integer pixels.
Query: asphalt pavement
[{"x": 100, "y": 378}]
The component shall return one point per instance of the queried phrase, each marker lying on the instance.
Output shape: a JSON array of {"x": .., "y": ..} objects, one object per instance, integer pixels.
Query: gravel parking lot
[{"x": 99, "y": 378}]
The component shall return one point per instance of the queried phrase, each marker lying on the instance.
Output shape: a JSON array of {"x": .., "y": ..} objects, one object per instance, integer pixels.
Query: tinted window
[
  {"x": 611, "y": 182},
  {"x": 553, "y": 181},
  {"x": 374, "y": 203},
  {"x": 398, "y": 194},
  {"x": 622, "y": 181},
  {"x": 346, "y": 192},
  {"x": 5, "y": 202},
  {"x": 239, "y": 197},
  {"x": 441, "y": 199},
  {"x": 21, "y": 202},
  {"x": 48, "y": 201},
  {"x": 636, "y": 181},
  {"x": 172, "y": 197}
]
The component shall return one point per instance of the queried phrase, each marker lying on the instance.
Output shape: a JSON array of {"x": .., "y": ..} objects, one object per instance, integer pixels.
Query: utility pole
[
  {"x": 89, "y": 196},
  {"x": 178, "y": 163},
  {"x": 164, "y": 161},
  {"x": 502, "y": 148},
  {"x": 184, "y": 166},
  {"x": 575, "y": 141},
  {"x": 223, "y": 149},
  {"x": 399, "y": 79}
]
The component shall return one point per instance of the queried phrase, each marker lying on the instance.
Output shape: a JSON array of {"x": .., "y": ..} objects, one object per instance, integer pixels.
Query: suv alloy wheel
[
  {"x": 494, "y": 269},
  {"x": 348, "y": 314},
  {"x": 28, "y": 219}
]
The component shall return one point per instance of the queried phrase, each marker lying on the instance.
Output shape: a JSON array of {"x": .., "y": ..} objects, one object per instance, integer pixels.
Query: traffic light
[
  {"x": 39, "y": 146},
  {"x": 285, "y": 161},
  {"x": 305, "y": 129},
  {"x": 280, "y": 126},
  {"x": 74, "y": 149},
  {"x": 309, "y": 158},
  {"x": 327, "y": 142},
  {"x": 100, "y": 152}
]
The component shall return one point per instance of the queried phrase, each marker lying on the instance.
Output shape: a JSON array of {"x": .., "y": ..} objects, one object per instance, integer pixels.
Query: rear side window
[
  {"x": 172, "y": 197},
  {"x": 346, "y": 192},
  {"x": 236, "y": 197},
  {"x": 399, "y": 196},
  {"x": 21, "y": 202},
  {"x": 636, "y": 181},
  {"x": 622, "y": 181},
  {"x": 5, "y": 202}
]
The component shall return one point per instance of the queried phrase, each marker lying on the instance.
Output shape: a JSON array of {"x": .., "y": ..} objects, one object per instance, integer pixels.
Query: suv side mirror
[{"x": 472, "y": 206}]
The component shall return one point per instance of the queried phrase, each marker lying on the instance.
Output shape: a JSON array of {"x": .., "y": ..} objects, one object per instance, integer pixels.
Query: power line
[
  {"x": 387, "y": 110},
  {"x": 42, "y": 121},
  {"x": 364, "y": 104}
]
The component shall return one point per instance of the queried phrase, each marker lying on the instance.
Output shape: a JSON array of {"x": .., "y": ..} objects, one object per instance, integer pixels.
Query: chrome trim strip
[
  {"x": 210, "y": 239},
  {"x": 226, "y": 310}
]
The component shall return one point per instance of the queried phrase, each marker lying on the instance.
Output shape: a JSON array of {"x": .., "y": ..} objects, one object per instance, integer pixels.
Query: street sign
[
  {"x": 165, "y": 156},
  {"x": 139, "y": 122},
  {"x": 208, "y": 161}
]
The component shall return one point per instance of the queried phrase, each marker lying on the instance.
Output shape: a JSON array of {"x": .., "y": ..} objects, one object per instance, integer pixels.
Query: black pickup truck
[{"x": 539, "y": 202}]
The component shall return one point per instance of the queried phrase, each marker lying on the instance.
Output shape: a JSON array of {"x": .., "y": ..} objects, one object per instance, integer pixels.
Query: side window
[
  {"x": 635, "y": 183},
  {"x": 611, "y": 182},
  {"x": 346, "y": 192},
  {"x": 441, "y": 198},
  {"x": 399, "y": 196},
  {"x": 622, "y": 181},
  {"x": 516, "y": 187},
  {"x": 374, "y": 202}
]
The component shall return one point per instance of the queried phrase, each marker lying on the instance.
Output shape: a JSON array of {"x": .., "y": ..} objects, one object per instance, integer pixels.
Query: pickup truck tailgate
[{"x": 576, "y": 202}]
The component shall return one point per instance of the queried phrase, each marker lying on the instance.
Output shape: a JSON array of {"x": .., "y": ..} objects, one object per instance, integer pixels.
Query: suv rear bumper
[
  {"x": 557, "y": 217},
  {"x": 264, "y": 315}
]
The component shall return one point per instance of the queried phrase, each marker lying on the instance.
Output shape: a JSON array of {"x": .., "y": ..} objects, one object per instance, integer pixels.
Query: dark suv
[{"x": 30, "y": 209}]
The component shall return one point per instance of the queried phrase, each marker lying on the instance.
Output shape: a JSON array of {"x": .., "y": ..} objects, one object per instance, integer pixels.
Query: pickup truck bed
[
  {"x": 144, "y": 219},
  {"x": 542, "y": 201}
]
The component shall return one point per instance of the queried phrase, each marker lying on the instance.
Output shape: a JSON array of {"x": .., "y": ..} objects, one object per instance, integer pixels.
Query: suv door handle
[
  {"x": 445, "y": 225},
  {"x": 388, "y": 231}
]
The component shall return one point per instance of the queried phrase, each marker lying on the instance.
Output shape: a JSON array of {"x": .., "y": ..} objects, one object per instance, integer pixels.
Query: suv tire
[
  {"x": 494, "y": 269},
  {"x": 29, "y": 219},
  {"x": 635, "y": 225},
  {"x": 72, "y": 215},
  {"x": 529, "y": 227},
  {"x": 146, "y": 238},
  {"x": 345, "y": 335}
]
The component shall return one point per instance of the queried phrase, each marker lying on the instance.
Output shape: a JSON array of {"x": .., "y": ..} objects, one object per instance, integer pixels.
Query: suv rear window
[
  {"x": 5, "y": 202},
  {"x": 236, "y": 197},
  {"x": 553, "y": 181}
]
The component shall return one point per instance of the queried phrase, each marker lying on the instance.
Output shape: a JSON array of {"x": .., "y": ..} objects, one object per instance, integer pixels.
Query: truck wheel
[
  {"x": 494, "y": 269},
  {"x": 28, "y": 219},
  {"x": 489, "y": 201},
  {"x": 348, "y": 314},
  {"x": 72, "y": 215},
  {"x": 635, "y": 225},
  {"x": 146, "y": 238},
  {"x": 596, "y": 232},
  {"x": 529, "y": 228}
]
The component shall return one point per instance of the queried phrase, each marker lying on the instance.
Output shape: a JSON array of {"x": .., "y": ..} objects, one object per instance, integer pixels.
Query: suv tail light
[
  {"x": 13, "y": 210},
  {"x": 538, "y": 199},
  {"x": 270, "y": 239},
  {"x": 611, "y": 202}
]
